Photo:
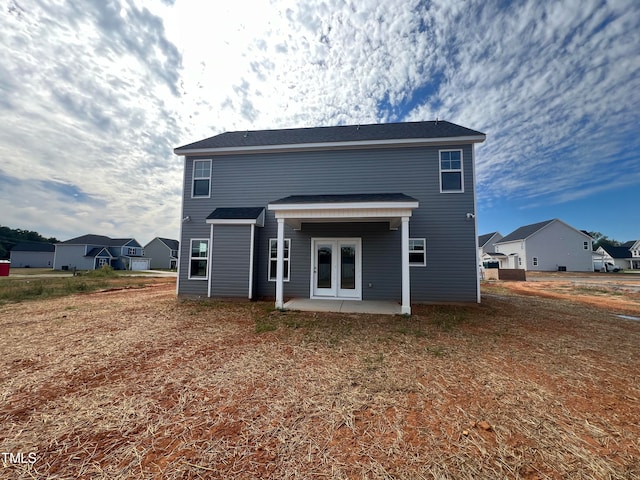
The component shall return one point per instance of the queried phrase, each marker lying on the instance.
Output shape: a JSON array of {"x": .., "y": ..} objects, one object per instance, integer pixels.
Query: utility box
[{"x": 5, "y": 266}]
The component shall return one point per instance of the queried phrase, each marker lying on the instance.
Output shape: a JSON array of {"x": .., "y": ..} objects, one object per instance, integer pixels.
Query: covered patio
[{"x": 392, "y": 208}]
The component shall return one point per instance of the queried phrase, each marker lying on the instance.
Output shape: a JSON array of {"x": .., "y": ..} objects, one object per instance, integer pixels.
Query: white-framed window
[
  {"x": 585, "y": 245},
  {"x": 535, "y": 261},
  {"x": 102, "y": 262},
  {"x": 199, "y": 259},
  {"x": 417, "y": 252},
  {"x": 201, "y": 179},
  {"x": 519, "y": 261},
  {"x": 273, "y": 259},
  {"x": 131, "y": 251},
  {"x": 451, "y": 177}
]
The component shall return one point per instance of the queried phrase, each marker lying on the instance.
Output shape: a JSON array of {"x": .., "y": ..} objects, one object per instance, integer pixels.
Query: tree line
[{"x": 10, "y": 237}]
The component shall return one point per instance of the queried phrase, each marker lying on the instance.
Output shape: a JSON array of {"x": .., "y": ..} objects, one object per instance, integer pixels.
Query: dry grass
[{"x": 133, "y": 384}]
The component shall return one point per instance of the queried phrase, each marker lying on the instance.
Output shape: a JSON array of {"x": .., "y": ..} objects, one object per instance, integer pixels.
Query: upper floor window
[
  {"x": 585, "y": 245},
  {"x": 451, "y": 171},
  {"x": 201, "y": 178},
  {"x": 131, "y": 251}
]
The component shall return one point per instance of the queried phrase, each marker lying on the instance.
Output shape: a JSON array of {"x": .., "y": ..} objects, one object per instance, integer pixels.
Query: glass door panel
[
  {"x": 324, "y": 265},
  {"x": 348, "y": 267}
]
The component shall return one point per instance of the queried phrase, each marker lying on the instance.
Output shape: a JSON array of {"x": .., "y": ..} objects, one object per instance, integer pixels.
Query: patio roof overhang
[{"x": 380, "y": 207}]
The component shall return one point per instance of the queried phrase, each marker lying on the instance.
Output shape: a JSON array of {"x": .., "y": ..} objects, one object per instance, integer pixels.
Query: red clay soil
[{"x": 135, "y": 384}]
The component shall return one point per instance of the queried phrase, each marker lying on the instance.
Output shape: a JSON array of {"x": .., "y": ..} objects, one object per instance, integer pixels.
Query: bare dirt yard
[{"x": 135, "y": 384}]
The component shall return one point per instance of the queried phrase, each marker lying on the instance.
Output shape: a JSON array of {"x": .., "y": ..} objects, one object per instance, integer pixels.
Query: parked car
[{"x": 610, "y": 267}]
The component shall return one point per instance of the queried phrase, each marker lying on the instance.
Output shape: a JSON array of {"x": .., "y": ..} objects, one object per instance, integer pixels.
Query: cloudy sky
[{"x": 95, "y": 94}]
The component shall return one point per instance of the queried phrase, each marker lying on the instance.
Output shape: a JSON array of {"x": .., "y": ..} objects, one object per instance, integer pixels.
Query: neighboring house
[
  {"x": 547, "y": 246},
  {"x": 162, "y": 252},
  {"x": 623, "y": 257},
  {"x": 634, "y": 257},
  {"x": 89, "y": 252},
  {"x": 486, "y": 251},
  {"x": 362, "y": 212},
  {"x": 32, "y": 254}
]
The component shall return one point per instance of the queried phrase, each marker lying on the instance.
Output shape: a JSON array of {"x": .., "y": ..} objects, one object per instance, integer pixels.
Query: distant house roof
[
  {"x": 235, "y": 213},
  {"x": 91, "y": 239},
  {"x": 525, "y": 231},
  {"x": 172, "y": 244},
  {"x": 306, "y": 137},
  {"x": 483, "y": 239},
  {"x": 34, "y": 247},
  {"x": 98, "y": 252},
  {"x": 348, "y": 198},
  {"x": 617, "y": 252},
  {"x": 629, "y": 244}
]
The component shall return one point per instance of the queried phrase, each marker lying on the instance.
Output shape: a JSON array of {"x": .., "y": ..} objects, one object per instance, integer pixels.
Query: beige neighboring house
[{"x": 548, "y": 246}]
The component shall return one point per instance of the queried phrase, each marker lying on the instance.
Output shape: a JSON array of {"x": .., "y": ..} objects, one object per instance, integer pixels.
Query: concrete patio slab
[{"x": 377, "y": 307}]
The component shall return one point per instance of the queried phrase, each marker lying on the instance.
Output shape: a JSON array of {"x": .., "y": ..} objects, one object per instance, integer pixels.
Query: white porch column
[
  {"x": 280, "y": 264},
  {"x": 406, "y": 287}
]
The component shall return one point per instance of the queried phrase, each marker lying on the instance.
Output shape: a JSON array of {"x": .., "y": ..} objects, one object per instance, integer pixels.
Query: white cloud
[{"x": 96, "y": 95}]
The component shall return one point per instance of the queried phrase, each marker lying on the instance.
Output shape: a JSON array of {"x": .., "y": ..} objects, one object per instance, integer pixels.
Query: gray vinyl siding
[
  {"x": 159, "y": 254},
  {"x": 72, "y": 256},
  {"x": 31, "y": 259},
  {"x": 231, "y": 245},
  {"x": 257, "y": 179}
]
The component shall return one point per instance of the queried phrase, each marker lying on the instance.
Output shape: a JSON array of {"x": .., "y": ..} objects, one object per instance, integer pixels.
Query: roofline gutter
[{"x": 330, "y": 145}]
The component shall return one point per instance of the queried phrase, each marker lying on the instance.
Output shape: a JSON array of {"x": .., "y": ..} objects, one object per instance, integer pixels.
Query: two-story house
[
  {"x": 360, "y": 212},
  {"x": 552, "y": 245},
  {"x": 486, "y": 251},
  {"x": 634, "y": 254},
  {"x": 89, "y": 252},
  {"x": 162, "y": 253}
]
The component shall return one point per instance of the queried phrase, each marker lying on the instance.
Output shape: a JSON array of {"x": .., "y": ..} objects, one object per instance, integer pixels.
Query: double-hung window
[
  {"x": 585, "y": 245},
  {"x": 273, "y": 259},
  {"x": 535, "y": 261},
  {"x": 199, "y": 261},
  {"x": 417, "y": 252},
  {"x": 201, "y": 178},
  {"x": 451, "y": 171}
]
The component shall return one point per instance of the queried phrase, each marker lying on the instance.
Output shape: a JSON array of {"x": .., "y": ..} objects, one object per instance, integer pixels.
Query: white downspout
[{"x": 251, "y": 247}]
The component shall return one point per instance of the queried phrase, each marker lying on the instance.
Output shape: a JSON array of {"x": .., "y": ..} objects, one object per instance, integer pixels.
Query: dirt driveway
[{"x": 133, "y": 384}]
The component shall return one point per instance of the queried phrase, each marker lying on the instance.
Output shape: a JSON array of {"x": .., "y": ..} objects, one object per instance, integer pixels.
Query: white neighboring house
[
  {"x": 486, "y": 250},
  {"x": 634, "y": 250},
  {"x": 162, "y": 252},
  {"x": 623, "y": 257},
  {"x": 547, "y": 246}
]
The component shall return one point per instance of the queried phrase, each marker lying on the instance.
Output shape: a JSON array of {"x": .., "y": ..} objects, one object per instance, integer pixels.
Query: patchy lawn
[{"x": 132, "y": 383}]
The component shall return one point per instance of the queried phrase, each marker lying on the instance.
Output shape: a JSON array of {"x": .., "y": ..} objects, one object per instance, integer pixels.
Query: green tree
[
  {"x": 10, "y": 237},
  {"x": 600, "y": 239}
]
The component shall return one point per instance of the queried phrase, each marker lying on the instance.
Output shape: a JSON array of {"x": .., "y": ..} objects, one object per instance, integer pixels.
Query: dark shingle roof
[
  {"x": 348, "y": 198},
  {"x": 96, "y": 250},
  {"x": 91, "y": 239},
  {"x": 346, "y": 133},
  {"x": 34, "y": 247},
  {"x": 617, "y": 252},
  {"x": 169, "y": 242},
  {"x": 236, "y": 213},
  {"x": 525, "y": 232},
  {"x": 482, "y": 239}
]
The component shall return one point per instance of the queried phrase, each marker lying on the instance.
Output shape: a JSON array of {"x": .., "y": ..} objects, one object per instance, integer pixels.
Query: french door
[{"x": 336, "y": 270}]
